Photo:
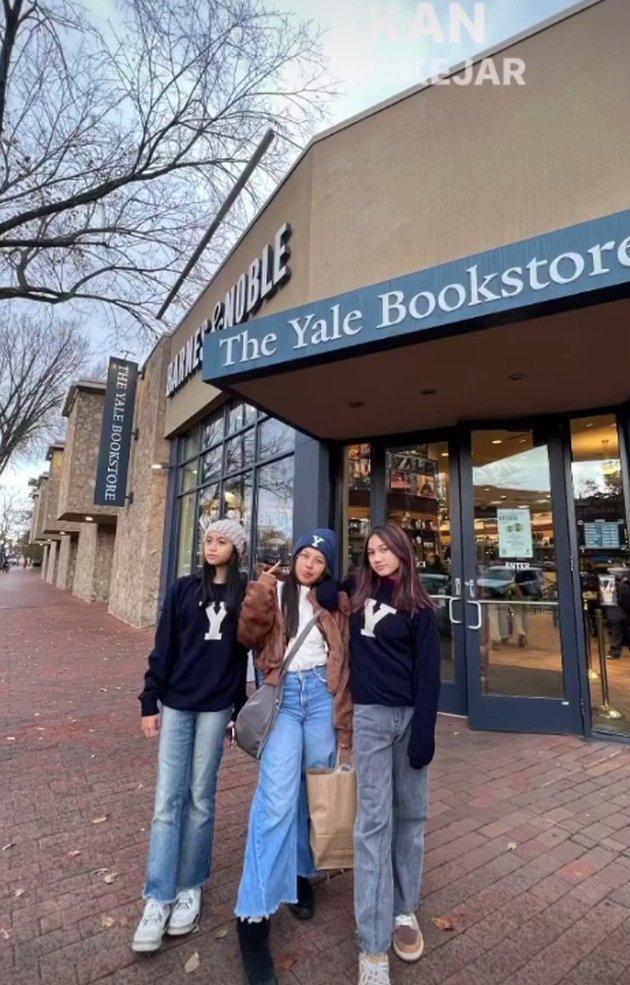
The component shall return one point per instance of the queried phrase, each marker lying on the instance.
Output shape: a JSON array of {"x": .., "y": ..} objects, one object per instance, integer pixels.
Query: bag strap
[{"x": 296, "y": 646}]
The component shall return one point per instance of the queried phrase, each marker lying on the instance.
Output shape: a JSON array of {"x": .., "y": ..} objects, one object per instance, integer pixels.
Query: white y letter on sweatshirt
[
  {"x": 215, "y": 618},
  {"x": 371, "y": 618}
]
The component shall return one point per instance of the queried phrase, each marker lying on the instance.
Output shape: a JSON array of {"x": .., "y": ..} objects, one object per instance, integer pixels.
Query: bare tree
[
  {"x": 38, "y": 362},
  {"x": 118, "y": 142},
  {"x": 15, "y": 513}
]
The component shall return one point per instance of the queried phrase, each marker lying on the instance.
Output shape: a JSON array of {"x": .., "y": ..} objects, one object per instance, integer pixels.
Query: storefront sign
[
  {"x": 265, "y": 274},
  {"x": 113, "y": 456},
  {"x": 565, "y": 263},
  {"x": 515, "y": 533}
]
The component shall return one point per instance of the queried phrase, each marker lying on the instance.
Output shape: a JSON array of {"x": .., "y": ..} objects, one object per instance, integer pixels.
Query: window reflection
[
  {"x": 274, "y": 514},
  {"x": 418, "y": 499},
  {"x": 228, "y": 474},
  {"x": 602, "y": 535},
  {"x": 276, "y": 438},
  {"x": 239, "y": 452},
  {"x": 212, "y": 431},
  {"x": 186, "y": 535},
  {"x": 520, "y": 641},
  {"x": 357, "y": 477},
  {"x": 211, "y": 464}
]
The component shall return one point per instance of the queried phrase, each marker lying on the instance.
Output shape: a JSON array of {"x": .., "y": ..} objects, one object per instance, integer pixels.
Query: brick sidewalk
[{"x": 528, "y": 852}]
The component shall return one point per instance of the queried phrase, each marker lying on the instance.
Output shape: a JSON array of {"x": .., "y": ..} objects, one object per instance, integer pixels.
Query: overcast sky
[{"x": 377, "y": 48}]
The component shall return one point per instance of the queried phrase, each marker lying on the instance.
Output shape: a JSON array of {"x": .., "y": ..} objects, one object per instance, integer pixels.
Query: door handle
[
  {"x": 451, "y": 615},
  {"x": 479, "y": 617}
]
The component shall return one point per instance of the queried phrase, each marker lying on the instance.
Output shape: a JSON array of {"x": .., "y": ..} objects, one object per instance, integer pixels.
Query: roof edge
[{"x": 93, "y": 386}]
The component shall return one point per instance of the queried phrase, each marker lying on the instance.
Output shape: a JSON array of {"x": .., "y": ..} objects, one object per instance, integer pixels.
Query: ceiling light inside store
[
  {"x": 89, "y": 519},
  {"x": 497, "y": 441}
]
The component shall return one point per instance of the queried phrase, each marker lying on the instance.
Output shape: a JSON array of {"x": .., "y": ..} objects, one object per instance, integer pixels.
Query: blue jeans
[
  {"x": 392, "y": 808},
  {"x": 277, "y": 848},
  {"x": 180, "y": 850}
]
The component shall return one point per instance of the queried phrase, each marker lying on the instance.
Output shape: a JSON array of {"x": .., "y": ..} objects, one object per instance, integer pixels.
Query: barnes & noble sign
[{"x": 264, "y": 276}]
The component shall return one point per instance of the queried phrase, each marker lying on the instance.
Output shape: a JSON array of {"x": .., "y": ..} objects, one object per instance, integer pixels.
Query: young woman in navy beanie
[{"x": 315, "y": 714}]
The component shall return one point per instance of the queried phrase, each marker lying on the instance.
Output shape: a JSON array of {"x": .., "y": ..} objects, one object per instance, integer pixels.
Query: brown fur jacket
[{"x": 261, "y": 627}]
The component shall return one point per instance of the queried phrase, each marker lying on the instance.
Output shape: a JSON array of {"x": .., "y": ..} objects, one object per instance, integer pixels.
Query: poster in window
[{"x": 515, "y": 533}]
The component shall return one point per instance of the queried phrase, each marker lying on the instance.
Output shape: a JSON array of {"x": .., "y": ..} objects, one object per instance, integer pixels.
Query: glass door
[
  {"x": 422, "y": 495},
  {"x": 519, "y": 610},
  {"x": 603, "y": 548}
]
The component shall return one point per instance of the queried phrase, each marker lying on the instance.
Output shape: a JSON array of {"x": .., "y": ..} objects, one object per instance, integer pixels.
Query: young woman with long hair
[
  {"x": 315, "y": 714},
  {"x": 197, "y": 673},
  {"x": 395, "y": 683}
]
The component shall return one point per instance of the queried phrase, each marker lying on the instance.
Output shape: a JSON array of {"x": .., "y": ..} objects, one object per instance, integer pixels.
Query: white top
[{"x": 314, "y": 649}]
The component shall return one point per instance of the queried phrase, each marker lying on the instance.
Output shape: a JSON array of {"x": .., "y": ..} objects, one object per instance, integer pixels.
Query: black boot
[
  {"x": 305, "y": 906},
  {"x": 253, "y": 939}
]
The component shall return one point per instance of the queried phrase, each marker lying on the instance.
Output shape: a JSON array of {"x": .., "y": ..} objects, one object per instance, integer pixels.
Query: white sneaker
[
  {"x": 185, "y": 913},
  {"x": 150, "y": 932},
  {"x": 373, "y": 972}
]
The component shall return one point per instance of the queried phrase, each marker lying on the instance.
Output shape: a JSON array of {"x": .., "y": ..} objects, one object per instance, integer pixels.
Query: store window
[
  {"x": 274, "y": 512},
  {"x": 602, "y": 534},
  {"x": 186, "y": 535},
  {"x": 417, "y": 492},
  {"x": 237, "y": 464},
  {"x": 356, "y": 502}
]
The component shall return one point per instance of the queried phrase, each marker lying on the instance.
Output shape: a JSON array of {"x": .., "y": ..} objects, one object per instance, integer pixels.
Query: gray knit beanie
[{"x": 231, "y": 529}]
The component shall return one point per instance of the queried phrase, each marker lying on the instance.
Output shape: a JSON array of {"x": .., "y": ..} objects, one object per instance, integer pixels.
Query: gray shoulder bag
[{"x": 258, "y": 715}]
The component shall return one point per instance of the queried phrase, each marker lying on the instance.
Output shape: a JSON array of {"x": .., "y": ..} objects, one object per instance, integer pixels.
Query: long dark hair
[
  {"x": 326, "y": 591},
  {"x": 234, "y": 587},
  {"x": 410, "y": 594}
]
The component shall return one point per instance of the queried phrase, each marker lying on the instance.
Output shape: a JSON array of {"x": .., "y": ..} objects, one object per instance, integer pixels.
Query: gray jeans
[{"x": 392, "y": 807}]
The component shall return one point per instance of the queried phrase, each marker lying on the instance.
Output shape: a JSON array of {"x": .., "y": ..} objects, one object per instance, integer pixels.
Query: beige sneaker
[
  {"x": 408, "y": 941},
  {"x": 373, "y": 972}
]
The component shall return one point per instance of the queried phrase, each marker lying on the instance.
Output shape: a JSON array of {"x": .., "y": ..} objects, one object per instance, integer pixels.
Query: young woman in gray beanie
[
  {"x": 279, "y": 612},
  {"x": 193, "y": 689}
]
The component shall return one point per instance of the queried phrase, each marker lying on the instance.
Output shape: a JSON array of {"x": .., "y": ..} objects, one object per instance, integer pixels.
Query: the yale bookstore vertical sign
[{"x": 113, "y": 458}]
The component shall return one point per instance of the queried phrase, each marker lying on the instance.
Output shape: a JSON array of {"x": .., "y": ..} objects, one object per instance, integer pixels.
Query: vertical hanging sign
[{"x": 113, "y": 456}]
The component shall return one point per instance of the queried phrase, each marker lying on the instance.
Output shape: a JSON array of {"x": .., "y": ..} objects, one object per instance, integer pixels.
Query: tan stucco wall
[
  {"x": 448, "y": 171},
  {"x": 78, "y": 477},
  {"x": 66, "y": 564},
  {"x": 140, "y": 528},
  {"x": 93, "y": 569}
]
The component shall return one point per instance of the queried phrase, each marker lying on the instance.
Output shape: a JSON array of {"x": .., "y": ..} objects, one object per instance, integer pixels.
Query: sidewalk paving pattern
[{"x": 528, "y": 851}]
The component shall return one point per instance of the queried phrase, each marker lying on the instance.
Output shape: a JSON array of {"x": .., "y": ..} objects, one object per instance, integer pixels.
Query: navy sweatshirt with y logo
[
  {"x": 197, "y": 663},
  {"x": 395, "y": 661}
]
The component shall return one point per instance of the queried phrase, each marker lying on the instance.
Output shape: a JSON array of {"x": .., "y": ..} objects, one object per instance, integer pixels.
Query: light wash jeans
[
  {"x": 392, "y": 808},
  {"x": 180, "y": 849},
  {"x": 277, "y": 848}
]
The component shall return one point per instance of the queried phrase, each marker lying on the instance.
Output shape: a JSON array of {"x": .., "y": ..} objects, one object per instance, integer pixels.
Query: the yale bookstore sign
[
  {"x": 564, "y": 263},
  {"x": 116, "y": 430},
  {"x": 265, "y": 274}
]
